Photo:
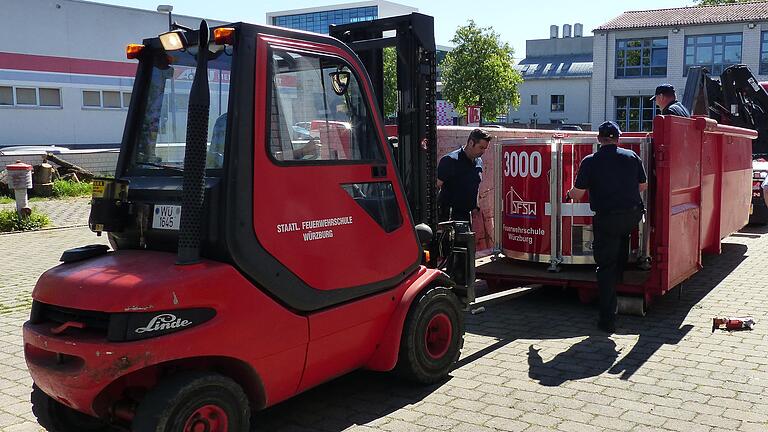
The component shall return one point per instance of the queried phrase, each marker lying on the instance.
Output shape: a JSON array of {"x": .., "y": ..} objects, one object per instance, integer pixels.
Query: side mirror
[{"x": 340, "y": 82}]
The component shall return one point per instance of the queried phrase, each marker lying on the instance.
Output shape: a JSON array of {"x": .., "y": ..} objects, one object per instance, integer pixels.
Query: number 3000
[{"x": 522, "y": 164}]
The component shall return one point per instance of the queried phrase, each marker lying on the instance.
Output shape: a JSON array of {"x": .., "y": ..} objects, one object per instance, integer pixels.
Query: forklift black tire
[
  {"x": 433, "y": 336},
  {"x": 57, "y": 417},
  {"x": 188, "y": 402}
]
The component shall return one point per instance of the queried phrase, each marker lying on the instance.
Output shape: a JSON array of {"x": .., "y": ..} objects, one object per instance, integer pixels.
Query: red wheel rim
[
  {"x": 437, "y": 338},
  {"x": 208, "y": 418}
]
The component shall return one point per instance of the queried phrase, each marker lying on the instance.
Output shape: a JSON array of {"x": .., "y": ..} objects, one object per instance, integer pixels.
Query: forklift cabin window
[
  {"x": 318, "y": 111},
  {"x": 160, "y": 142}
]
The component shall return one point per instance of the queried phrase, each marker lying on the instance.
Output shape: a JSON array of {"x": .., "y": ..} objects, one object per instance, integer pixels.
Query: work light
[{"x": 173, "y": 40}]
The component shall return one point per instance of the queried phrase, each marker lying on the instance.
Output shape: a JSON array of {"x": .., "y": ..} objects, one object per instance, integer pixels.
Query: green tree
[
  {"x": 717, "y": 2},
  {"x": 479, "y": 71},
  {"x": 390, "y": 82}
]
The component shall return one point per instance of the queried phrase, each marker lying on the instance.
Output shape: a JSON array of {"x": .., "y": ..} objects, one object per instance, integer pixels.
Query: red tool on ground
[{"x": 730, "y": 324}]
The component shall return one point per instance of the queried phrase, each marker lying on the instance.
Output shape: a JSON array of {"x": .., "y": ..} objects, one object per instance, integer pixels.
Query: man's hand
[{"x": 575, "y": 194}]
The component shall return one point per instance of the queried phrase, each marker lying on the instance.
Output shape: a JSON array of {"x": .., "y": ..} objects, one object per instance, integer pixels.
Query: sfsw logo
[
  {"x": 164, "y": 322},
  {"x": 517, "y": 207}
]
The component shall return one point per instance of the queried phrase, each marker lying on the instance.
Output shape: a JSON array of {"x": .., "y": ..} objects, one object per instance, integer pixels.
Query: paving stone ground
[
  {"x": 66, "y": 212},
  {"x": 531, "y": 364}
]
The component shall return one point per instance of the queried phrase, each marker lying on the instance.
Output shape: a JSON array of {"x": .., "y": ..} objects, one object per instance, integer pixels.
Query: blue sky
[{"x": 516, "y": 21}]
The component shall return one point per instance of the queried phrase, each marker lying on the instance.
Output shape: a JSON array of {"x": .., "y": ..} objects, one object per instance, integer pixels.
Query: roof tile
[{"x": 693, "y": 15}]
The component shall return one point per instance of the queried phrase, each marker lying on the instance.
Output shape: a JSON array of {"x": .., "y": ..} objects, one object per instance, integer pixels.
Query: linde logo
[{"x": 164, "y": 322}]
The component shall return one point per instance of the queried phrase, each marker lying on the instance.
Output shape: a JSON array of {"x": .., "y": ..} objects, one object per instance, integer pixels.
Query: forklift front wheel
[
  {"x": 56, "y": 417},
  {"x": 190, "y": 402},
  {"x": 433, "y": 335}
]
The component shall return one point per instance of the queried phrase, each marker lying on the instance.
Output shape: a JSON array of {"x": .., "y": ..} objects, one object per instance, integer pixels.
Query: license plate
[{"x": 167, "y": 217}]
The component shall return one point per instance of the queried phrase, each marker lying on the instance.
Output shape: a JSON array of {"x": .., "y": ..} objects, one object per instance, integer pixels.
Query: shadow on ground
[
  {"x": 558, "y": 315},
  {"x": 363, "y": 397}
]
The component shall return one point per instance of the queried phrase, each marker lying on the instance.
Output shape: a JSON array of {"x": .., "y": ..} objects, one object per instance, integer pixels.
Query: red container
[{"x": 699, "y": 193}]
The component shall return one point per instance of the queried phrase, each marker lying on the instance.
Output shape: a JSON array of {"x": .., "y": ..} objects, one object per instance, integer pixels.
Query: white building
[
  {"x": 64, "y": 77},
  {"x": 317, "y": 19},
  {"x": 638, "y": 50},
  {"x": 557, "y": 75}
]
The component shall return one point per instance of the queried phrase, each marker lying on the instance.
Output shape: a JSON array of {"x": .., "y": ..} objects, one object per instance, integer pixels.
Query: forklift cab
[{"x": 315, "y": 218}]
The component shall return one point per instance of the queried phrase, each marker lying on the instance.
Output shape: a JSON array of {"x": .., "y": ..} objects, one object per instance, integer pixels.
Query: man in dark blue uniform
[
  {"x": 614, "y": 178},
  {"x": 666, "y": 100},
  {"x": 458, "y": 178}
]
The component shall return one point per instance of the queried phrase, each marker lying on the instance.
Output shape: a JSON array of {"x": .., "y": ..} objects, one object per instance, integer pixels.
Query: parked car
[{"x": 570, "y": 127}]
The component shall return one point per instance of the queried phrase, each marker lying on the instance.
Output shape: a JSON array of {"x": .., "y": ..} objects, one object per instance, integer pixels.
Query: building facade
[
  {"x": 317, "y": 19},
  {"x": 557, "y": 74},
  {"x": 638, "y": 50},
  {"x": 65, "y": 80}
]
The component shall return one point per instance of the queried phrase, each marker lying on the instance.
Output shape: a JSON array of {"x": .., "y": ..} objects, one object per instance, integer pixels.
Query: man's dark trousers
[{"x": 610, "y": 249}]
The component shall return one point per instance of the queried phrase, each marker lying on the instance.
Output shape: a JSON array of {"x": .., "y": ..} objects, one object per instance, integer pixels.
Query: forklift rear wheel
[
  {"x": 56, "y": 417},
  {"x": 433, "y": 335},
  {"x": 194, "y": 402}
]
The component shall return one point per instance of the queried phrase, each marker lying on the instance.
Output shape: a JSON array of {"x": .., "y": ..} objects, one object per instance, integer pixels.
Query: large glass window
[
  {"x": 318, "y": 111},
  {"x": 635, "y": 113},
  {"x": 637, "y": 58},
  {"x": 161, "y": 137},
  {"x": 558, "y": 103},
  {"x": 715, "y": 52},
  {"x": 318, "y": 22}
]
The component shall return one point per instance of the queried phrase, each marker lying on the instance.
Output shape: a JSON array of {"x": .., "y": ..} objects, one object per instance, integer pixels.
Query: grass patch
[
  {"x": 10, "y": 221},
  {"x": 6, "y": 200},
  {"x": 66, "y": 188}
]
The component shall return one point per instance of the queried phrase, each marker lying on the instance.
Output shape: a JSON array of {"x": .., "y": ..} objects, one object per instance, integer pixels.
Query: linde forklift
[
  {"x": 282, "y": 242},
  {"x": 735, "y": 99}
]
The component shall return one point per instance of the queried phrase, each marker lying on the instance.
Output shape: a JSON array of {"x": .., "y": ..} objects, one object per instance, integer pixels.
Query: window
[
  {"x": 309, "y": 120},
  {"x": 635, "y": 113},
  {"x": 26, "y": 96},
  {"x": 106, "y": 99},
  {"x": 30, "y": 97},
  {"x": 715, "y": 52},
  {"x": 534, "y": 99},
  {"x": 763, "y": 53},
  {"x": 6, "y": 95},
  {"x": 91, "y": 98},
  {"x": 111, "y": 99},
  {"x": 318, "y": 22},
  {"x": 50, "y": 97},
  {"x": 558, "y": 103},
  {"x": 638, "y": 58}
]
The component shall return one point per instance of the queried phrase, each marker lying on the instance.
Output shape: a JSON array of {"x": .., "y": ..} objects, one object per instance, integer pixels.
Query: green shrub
[
  {"x": 66, "y": 188},
  {"x": 5, "y": 199},
  {"x": 10, "y": 221}
]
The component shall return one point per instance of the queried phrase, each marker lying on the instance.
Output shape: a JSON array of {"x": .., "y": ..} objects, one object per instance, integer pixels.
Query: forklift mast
[
  {"x": 416, "y": 148},
  {"x": 737, "y": 99}
]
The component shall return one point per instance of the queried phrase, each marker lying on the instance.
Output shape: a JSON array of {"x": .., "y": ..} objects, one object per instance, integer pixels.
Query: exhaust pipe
[{"x": 193, "y": 185}]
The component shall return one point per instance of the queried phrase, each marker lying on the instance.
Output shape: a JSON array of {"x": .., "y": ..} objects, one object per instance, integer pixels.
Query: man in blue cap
[
  {"x": 614, "y": 178},
  {"x": 666, "y": 100}
]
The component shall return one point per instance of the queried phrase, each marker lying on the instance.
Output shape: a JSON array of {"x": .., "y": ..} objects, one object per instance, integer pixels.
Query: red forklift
[{"x": 266, "y": 235}]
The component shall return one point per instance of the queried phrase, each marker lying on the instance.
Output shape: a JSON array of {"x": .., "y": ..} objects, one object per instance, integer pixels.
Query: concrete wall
[
  {"x": 605, "y": 87},
  {"x": 94, "y": 35},
  {"x": 577, "y": 100},
  {"x": 558, "y": 47}
]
